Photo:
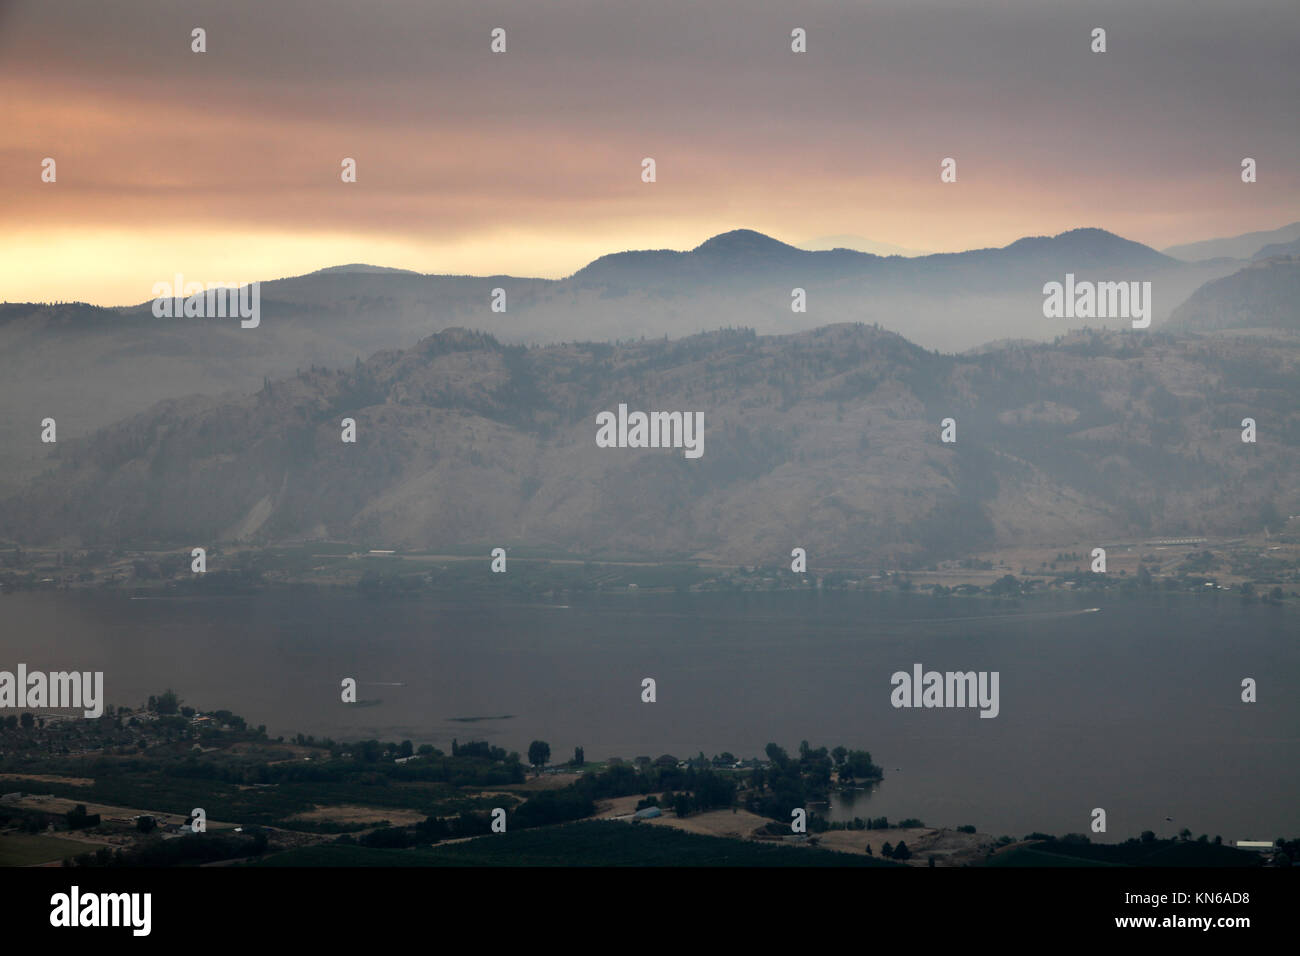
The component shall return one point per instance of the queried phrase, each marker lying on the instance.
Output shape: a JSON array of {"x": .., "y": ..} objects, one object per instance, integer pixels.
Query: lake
[{"x": 1135, "y": 708}]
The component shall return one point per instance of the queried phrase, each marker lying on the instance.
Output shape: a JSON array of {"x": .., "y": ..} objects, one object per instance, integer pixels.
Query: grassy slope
[{"x": 593, "y": 843}]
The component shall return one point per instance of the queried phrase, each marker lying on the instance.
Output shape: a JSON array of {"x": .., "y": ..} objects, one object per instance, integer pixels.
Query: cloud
[{"x": 521, "y": 154}]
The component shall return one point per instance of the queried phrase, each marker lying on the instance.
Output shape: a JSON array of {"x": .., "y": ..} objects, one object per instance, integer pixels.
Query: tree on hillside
[
  {"x": 539, "y": 752},
  {"x": 682, "y": 804},
  {"x": 579, "y": 758}
]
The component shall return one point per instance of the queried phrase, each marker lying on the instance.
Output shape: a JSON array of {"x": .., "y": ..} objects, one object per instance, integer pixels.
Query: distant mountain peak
[
  {"x": 743, "y": 242},
  {"x": 362, "y": 267},
  {"x": 1086, "y": 234},
  {"x": 1089, "y": 232},
  {"x": 1092, "y": 246}
]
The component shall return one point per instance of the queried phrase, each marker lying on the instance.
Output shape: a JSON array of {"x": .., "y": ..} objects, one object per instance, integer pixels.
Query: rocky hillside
[{"x": 827, "y": 439}]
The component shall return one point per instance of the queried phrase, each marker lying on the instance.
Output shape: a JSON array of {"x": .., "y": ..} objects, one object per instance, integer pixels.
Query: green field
[
  {"x": 593, "y": 843},
  {"x": 22, "y": 849}
]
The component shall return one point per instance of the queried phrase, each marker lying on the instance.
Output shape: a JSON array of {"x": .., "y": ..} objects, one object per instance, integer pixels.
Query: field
[
  {"x": 21, "y": 849},
  {"x": 594, "y": 843}
]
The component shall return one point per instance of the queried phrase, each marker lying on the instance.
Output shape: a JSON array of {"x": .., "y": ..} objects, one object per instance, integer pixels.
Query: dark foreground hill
[{"x": 827, "y": 440}]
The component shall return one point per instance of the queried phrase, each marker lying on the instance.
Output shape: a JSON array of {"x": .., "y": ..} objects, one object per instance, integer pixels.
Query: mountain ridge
[
  {"x": 826, "y": 439},
  {"x": 87, "y": 366}
]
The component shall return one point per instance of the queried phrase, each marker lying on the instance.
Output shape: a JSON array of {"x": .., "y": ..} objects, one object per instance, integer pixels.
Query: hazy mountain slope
[
  {"x": 744, "y": 279},
  {"x": 1276, "y": 249},
  {"x": 1236, "y": 247},
  {"x": 1265, "y": 293},
  {"x": 860, "y": 244},
  {"x": 86, "y": 367},
  {"x": 827, "y": 440}
]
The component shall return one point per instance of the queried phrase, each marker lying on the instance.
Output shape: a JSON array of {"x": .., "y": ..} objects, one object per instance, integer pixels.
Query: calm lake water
[{"x": 1135, "y": 708}]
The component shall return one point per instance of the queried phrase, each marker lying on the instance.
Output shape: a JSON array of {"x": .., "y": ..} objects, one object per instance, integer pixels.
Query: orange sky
[{"x": 225, "y": 165}]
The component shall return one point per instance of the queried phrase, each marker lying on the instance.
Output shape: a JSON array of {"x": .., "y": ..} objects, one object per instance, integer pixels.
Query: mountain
[
  {"x": 1264, "y": 294},
  {"x": 859, "y": 244},
  {"x": 362, "y": 268},
  {"x": 1273, "y": 250},
  {"x": 86, "y": 366},
  {"x": 1238, "y": 247},
  {"x": 743, "y": 254},
  {"x": 826, "y": 439}
]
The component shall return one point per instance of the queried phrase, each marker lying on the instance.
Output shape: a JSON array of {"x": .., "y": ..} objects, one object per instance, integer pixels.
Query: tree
[
  {"x": 579, "y": 758},
  {"x": 777, "y": 756},
  {"x": 682, "y": 804},
  {"x": 539, "y": 752},
  {"x": 901, "y": 852},
  {"x": 887, "y": 850},
  {"x": 858, "y": 765},
  {"x": 28, "y": 721},
  {"x": 79, "y": 819},
  {"x": 838, "y": 755},
  {"x": 1007, "y": 584},
  {"x": 146, "y": 824}
]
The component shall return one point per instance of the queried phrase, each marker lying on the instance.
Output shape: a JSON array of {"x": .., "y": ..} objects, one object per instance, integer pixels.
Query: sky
[{"x": 225, "y": 165}]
